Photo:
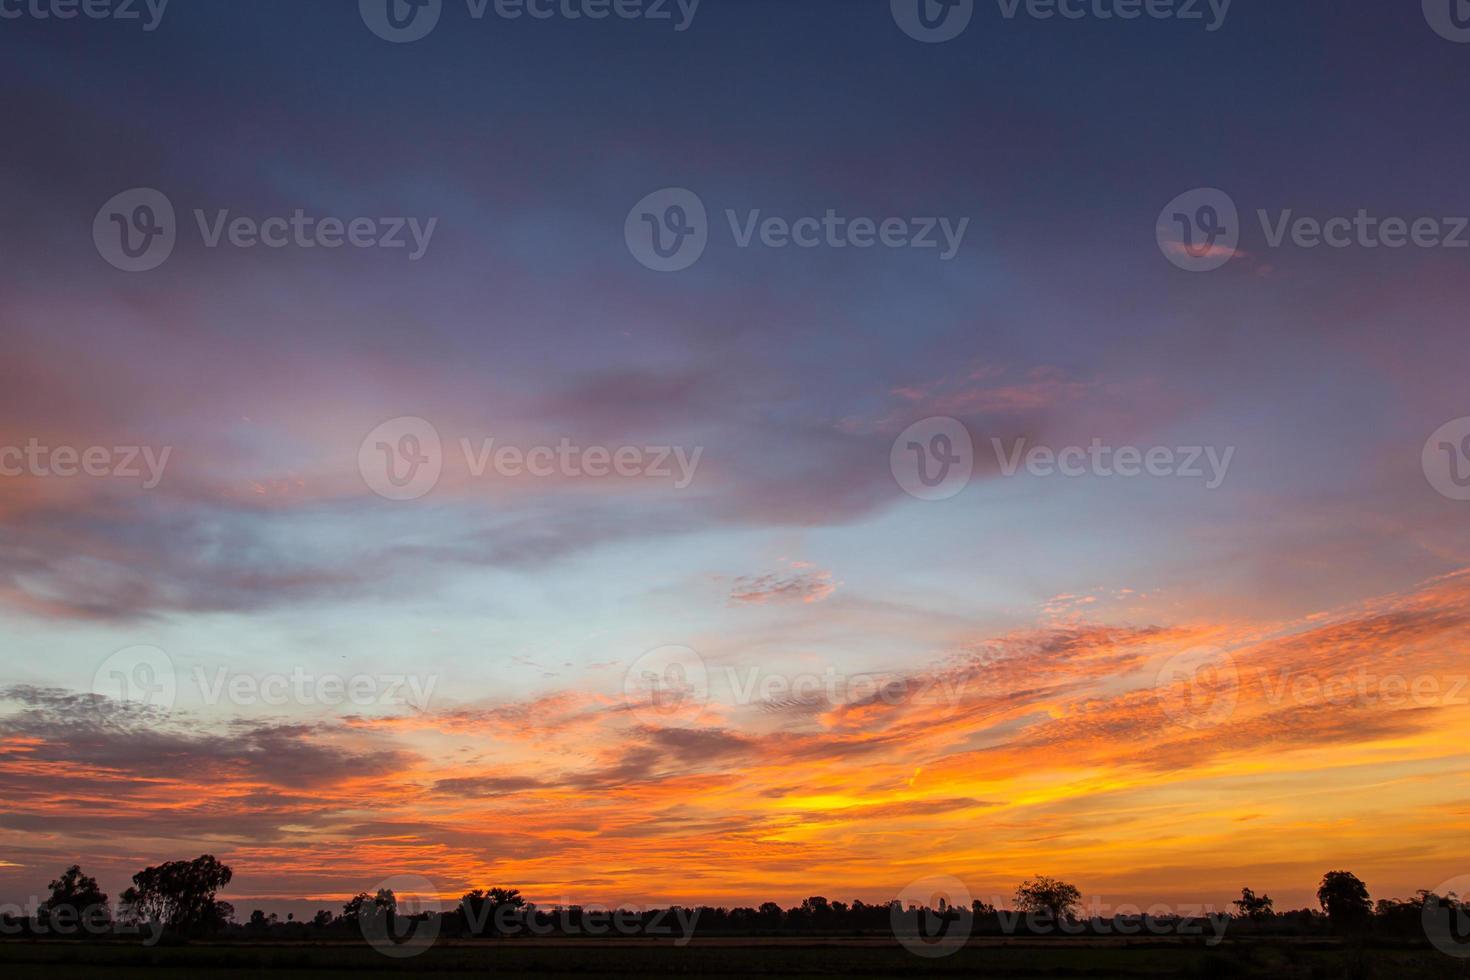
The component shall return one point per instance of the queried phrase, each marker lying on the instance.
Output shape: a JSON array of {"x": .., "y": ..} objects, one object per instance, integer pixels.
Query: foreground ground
[{"x": 998, "y": 959}]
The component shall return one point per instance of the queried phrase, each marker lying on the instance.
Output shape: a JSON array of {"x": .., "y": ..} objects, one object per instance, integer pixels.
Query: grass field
[{"x": 1314, "y": 960}]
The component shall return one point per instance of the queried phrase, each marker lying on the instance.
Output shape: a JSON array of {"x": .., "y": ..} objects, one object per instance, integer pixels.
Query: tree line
[{"x": 179, "y": 899}]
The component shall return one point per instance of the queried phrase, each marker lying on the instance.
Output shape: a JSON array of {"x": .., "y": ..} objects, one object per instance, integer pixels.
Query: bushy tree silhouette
[
  {"x": 1344, "y": 898},
  {"x": 181, "y": 895},
  {"x": 480, "y": 908},
  {"x": 363, "y": 905},
  {"x": 1047, "y": 896},
  {"x": 76, "y": 899}
]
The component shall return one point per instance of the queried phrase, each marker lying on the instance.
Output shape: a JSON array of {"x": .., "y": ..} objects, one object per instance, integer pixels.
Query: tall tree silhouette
[
  {"x": 181, "y": 895},
  {"x": 1254, "y": 907}
]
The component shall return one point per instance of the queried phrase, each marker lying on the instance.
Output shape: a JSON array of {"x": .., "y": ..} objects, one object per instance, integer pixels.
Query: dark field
[{"x": 1307, "y": 960}]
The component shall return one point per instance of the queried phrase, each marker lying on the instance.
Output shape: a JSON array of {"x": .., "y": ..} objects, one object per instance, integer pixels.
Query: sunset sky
[{"x": 1027, "y": 630}]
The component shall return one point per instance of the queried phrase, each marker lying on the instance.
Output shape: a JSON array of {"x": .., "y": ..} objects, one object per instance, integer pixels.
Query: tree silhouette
[
  {"x": 1344, "y": 898},
  {"x": 480, "y": 907},
  {"x": 1047, "y": 896},
  {"x": 260, "y": 922},
  {"x": 181, "y": 895},
  {"x": 76, "y": 898},
  {"x": 363, "y": 905},
  {"x": 1253, "y": 907}
]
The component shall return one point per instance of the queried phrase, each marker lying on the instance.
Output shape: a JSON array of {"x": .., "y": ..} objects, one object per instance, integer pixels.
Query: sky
[{"x": 756, "y": 660}]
